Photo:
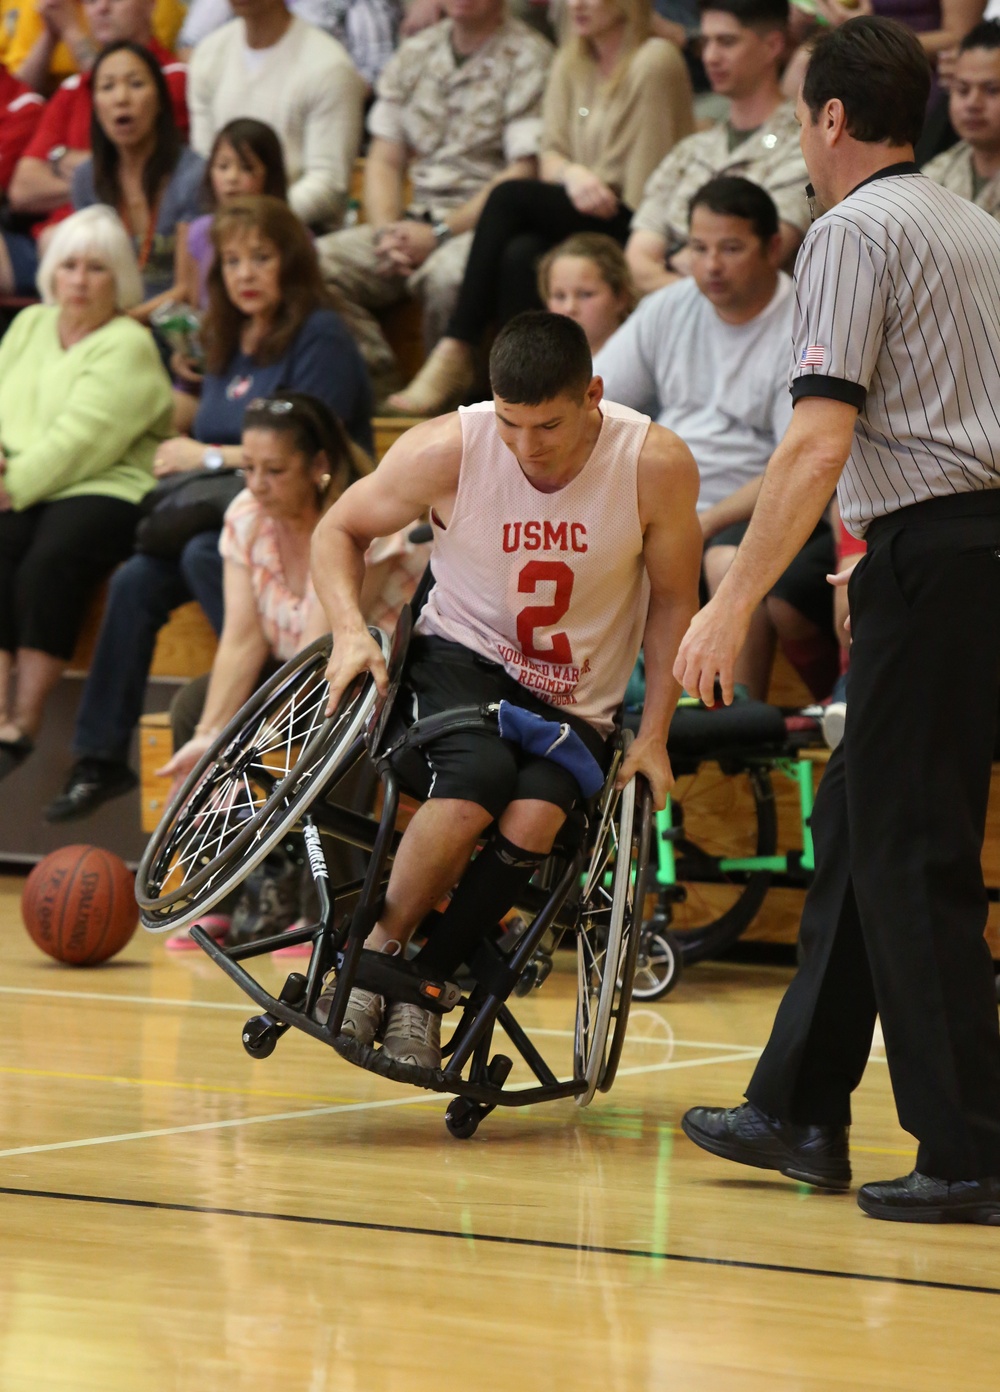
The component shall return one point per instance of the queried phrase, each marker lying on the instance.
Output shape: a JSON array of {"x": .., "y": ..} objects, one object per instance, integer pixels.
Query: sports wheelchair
[
  {"x": 273, "y": 773},
  {"x": 715, "y": 842}
]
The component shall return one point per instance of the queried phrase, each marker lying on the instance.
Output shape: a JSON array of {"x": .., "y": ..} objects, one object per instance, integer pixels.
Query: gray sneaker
[
  {"x": 413, "y": 1035},
  {"x": 363, "y": 1016}
]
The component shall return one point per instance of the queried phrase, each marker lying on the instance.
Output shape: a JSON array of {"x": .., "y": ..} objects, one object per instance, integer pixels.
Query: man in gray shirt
[
  {"x": 896, "y": 380},
  {"x": 708, "y": 358}
]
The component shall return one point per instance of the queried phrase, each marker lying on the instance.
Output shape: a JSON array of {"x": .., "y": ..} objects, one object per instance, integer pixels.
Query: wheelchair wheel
[
  {"x": 717, "y": 815},
  {"x": 659, "y": 965},
  {"x": 274, "y": 758},
  {"x": 608, "y": 933}
]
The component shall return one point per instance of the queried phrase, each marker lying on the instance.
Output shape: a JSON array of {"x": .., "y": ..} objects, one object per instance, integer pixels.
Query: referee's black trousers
[{"x": 893, "y": 924}]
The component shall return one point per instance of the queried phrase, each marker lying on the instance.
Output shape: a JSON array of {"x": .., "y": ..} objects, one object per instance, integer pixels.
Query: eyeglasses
[{"x": 272, "y": 405}]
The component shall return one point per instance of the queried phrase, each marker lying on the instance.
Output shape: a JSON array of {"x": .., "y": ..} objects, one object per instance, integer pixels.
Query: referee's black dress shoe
[
  {"x": 814, "y": 1155},
  {"x": 920, "y": 1198}
]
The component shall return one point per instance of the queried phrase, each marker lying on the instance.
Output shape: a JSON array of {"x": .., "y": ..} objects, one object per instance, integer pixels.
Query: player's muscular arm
[
  {"x": 668, "y": 494},
  {"x": 419, "y": 472}
]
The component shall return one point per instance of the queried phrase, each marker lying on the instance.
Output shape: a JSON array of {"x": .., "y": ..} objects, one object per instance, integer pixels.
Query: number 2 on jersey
[{"x": 544, "y": 615}]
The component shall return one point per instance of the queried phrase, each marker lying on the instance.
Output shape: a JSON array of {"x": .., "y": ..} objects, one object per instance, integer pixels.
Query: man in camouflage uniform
[
  {"x": 972, "y": 167},
  {"x": 458, "y": 109},
  {"x": 743, "y": 46}
]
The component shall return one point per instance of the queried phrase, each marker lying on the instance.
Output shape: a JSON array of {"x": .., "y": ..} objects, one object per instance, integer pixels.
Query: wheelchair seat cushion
[{"x": 476, "y": 765}]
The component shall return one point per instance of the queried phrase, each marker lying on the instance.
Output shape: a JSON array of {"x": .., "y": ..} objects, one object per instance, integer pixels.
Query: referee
[{"x": 896, "y": 384}]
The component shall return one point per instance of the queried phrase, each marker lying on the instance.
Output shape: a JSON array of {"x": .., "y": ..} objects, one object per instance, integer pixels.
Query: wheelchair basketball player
[{"x": 566, "y": 538}]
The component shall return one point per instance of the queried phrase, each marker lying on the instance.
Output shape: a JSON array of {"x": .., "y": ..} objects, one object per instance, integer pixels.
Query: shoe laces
[{"x": 414, "y": 1023}]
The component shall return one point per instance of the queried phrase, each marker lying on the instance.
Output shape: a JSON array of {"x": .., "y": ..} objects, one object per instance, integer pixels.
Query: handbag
[{"x": 181, "y": 506}]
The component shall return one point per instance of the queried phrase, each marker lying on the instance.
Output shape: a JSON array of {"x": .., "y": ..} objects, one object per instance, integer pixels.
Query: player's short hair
[
  {"x": 538, "y": 356},
  {"x": 752, "y": 14},
  {"x": 732, "y": 196},
  {"x": 986, "y": 34},
  {"x": 878, "y": 70}
]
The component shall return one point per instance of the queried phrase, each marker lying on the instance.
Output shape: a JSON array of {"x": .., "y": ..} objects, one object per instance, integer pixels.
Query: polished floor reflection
[{"x": 177, "y": 1216}]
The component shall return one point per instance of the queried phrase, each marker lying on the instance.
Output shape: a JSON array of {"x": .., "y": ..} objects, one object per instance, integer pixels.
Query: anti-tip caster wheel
[
  {"x": 462, "y": 1118},
  {"x": 260, "y": 1035},
  {"x": 659, "y": 964}
]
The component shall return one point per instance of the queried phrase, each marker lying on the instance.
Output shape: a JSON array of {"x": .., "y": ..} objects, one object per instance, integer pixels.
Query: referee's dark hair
[
  {"x": 538, "y": 356},
  {"x": 986, "y": 34},
  {"x": 752, "y": 14},
  {"x": 878, "y": 70},
  {"x": 731, "y": 196}
]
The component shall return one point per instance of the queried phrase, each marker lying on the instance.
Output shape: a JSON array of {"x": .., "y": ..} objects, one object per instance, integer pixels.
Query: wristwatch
[
  {"x": 54, "y": 158},
  {"x": 213, "y": 458},
  {"x": 441, "y": 231}
]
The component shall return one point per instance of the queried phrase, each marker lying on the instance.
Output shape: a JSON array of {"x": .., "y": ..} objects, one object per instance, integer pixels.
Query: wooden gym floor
[{"x": 177, "y": 1216}]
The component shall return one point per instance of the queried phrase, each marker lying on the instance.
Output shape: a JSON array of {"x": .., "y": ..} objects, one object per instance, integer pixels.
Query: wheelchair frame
[{"x": 595, "y": 891}]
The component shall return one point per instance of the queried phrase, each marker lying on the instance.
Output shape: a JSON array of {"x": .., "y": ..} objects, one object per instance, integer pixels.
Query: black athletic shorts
[
  {"x": 804, "y": 584},
  {"x": 477, "y": 765}
]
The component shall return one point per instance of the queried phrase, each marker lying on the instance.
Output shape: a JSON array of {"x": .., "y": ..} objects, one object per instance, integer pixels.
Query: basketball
[{"x": 79, "y": 905}]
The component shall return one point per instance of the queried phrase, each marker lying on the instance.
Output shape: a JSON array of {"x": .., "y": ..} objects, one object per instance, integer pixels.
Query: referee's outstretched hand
[{"x": 709, "y": 650}]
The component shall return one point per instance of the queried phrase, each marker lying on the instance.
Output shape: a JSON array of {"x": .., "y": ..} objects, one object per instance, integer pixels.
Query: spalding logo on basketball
[{"x": 79, "y": 905}]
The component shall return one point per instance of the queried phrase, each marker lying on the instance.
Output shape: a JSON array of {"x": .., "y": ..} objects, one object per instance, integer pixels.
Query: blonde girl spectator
[{"x": 587, "y": 278}]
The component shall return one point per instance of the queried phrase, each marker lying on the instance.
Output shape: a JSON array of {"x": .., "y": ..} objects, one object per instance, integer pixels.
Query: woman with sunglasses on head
[
  {"x": 296, "y": 460},
  {"x": 139, "y": 165}
]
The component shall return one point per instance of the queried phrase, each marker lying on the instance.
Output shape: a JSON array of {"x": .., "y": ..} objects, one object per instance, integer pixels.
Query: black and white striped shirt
[{"x": 898, "y": 314}]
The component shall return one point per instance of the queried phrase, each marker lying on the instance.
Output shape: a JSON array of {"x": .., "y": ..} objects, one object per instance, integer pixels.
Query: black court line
[{"x": 499, "y": 1238}]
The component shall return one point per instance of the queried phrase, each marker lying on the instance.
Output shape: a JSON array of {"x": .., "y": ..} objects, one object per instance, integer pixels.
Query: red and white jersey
[{"x": 551, "y": 585}]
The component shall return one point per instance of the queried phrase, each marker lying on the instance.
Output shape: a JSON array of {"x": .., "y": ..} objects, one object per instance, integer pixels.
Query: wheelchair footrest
[{"x": 378, "y": 1061}]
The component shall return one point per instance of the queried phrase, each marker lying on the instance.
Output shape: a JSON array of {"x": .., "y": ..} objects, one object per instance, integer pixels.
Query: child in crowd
[
  {"x": 245, "y": 159},
  {"x": 587, "y": 278}
]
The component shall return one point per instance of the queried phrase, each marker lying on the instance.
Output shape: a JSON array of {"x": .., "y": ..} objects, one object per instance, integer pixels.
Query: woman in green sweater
[{"x": 84, "y": 403}]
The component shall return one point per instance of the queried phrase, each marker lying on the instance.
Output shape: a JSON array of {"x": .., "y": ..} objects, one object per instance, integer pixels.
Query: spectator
[
  {"x": 743, "y": 47},
  {"x": 245, "y": 160},
  {"x": 41, "y": 184},
  {"x": 457, "y": 112},
  {"x": 55, "y": 39},
  {"x": 708, "y": 357},
  {"x": 587, "y": 278},
  {"x": 20, "y": 112},
  {"x": 75, "y": 465},
  {"x": 296, "y": 462},
  {"x": 367, "y": 28},
  {"x": 270, "y": 325},
  {"x": 972, "y": 167},
  {"x": 939, "y": 25},
  {"x": 139, "y": 166},
  {"x": 272, "y": 65},
  {"x": 616, "y": 101},
  {"x": 268, "y": 331}
]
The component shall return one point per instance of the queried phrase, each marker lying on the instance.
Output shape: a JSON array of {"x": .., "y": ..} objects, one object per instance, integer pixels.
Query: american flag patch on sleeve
[{"x": 813, "y": 356}]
